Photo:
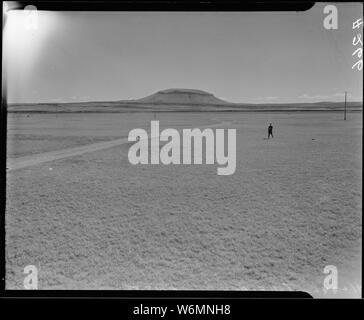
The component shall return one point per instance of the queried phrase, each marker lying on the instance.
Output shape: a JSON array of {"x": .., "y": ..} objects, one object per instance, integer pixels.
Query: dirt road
[{"x": 35, "y": 159}]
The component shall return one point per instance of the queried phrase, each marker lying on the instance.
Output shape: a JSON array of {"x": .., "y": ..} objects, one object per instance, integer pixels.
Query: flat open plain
[{"x": 91, "y": 220}]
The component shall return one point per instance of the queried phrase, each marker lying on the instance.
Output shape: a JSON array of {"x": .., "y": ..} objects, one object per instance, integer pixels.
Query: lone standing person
[{"x": 270, "y": 131}]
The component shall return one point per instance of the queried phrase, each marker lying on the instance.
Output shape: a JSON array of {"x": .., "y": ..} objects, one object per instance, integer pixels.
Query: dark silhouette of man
[{"x": 270, "y": 131}]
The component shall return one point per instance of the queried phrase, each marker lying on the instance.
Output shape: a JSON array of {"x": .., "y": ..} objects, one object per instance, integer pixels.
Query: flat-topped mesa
[
  {"x": 185, "y": 91},
  {"x": 183, "y": 97}
]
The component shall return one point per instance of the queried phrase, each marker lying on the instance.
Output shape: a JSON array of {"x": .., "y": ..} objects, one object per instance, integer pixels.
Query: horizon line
[{"x": 227, "y": 102}]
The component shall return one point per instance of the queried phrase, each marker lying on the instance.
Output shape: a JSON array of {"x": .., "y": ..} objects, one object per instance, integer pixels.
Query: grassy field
[{"x": 94, "y": 221}]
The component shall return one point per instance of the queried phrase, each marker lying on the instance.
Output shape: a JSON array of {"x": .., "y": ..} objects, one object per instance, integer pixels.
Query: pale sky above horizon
[{"x": 247, "y": 57}]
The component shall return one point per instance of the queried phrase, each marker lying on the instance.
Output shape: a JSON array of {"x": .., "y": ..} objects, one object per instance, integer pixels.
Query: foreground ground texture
[{"x": 94, "y": 221}]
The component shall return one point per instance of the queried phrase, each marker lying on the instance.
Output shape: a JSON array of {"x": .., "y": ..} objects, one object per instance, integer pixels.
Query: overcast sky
[{"x": 238, "y": 56}]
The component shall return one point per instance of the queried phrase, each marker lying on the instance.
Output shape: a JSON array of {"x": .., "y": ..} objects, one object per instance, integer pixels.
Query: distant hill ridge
[
  {"x": 185, "y": 91},
  {"x": 176, "y": 100},
  {"x": 184, "y": 97}
]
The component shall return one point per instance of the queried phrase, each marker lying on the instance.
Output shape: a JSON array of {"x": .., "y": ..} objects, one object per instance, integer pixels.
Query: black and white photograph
[{"x": 184, "y": 150}]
